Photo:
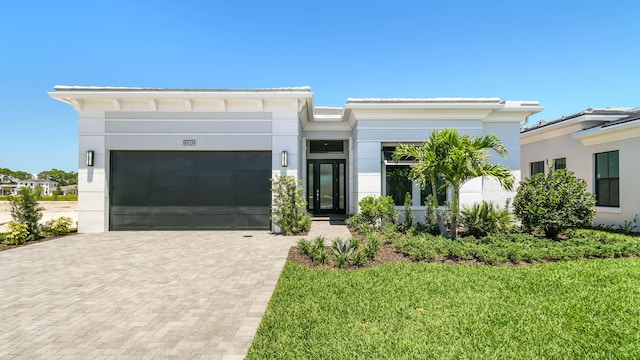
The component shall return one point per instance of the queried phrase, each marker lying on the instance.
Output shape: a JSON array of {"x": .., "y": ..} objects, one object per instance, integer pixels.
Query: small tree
[
  {"x": 456, "y": 159},
  {"x": 289, "y": 206},
  {"x": 26, "y": 210},
  {"x": 408, "y": 212},
  {"x": 554, "y": 202}
]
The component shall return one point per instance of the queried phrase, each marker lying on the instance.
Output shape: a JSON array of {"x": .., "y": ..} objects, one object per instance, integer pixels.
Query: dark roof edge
[{"x": 588, "y": 111}]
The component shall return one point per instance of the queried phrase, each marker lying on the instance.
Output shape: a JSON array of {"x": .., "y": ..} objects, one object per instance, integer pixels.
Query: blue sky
[{"x": 569, "y": 55}]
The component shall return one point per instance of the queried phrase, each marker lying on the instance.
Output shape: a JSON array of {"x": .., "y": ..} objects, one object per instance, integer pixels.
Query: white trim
[
  {"x": 188, "y": 134},
  {"x": 609, "y": 210},
  {"x": 418, "y": 128}
]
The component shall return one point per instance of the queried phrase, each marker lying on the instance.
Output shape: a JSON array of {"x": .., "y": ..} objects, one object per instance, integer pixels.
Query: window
[
  {"x": 537, "y": 167},
  {"x": 607, "y": 179},
  {"x": 560, "y": 163},
  {"x": 398, "y": 183},
  {"x": 326, "y": 146}
]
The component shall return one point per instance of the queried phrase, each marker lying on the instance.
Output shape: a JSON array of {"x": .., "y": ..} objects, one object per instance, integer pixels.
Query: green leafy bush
[
  {"x": 554, "y": 202},
  {"x": 315, "y": 250},
  {"x": 418, "y": 248},
  {"x": 342, "y": 250},
  {"x": 17, "y": 234},
  {"x": 318, "y": 251},
  {"x": 372, "y": 246},
  {"x": 288, "y": 211},
  {"x": 358, "y": 258},
  {"x": 59, "y": 226},
  {"x": 374, "y": 211},
  {"x": 485, "y": 218},
  {"x": 26, "y": 210},
  {"x": 408, "y": 212},
  {"x": 628, "y": 227}
]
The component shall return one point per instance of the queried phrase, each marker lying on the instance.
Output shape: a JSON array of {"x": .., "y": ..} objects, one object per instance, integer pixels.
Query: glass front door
[{"x": 326, "y": 186}]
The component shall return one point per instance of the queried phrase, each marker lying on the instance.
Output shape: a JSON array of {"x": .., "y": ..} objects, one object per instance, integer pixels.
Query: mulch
[
  {"x": 4, "y": 246},
  {"x": 387, "y": 254}
]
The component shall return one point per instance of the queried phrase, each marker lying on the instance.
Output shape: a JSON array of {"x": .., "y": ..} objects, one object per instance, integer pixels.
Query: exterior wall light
[
  {"x": 89, "y": 157},
  {"x": 284, "y": 159}
]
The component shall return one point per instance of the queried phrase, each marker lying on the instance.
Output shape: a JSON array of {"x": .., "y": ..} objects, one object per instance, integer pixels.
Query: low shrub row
[
  {"x": 517, "y": 248},
  {"x": 18, "y": 233}
]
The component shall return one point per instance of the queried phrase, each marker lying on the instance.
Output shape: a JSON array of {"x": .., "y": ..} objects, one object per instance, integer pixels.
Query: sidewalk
[{"x": 330, "y": 228}]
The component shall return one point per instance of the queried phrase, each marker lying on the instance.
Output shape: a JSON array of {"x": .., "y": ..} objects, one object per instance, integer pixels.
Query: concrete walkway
[
  {"x": 138, "y": 295},
  {"x": 330, "y": 228}
]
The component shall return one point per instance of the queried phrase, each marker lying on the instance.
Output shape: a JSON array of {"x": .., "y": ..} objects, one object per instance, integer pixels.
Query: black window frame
[
  {"x": 534, "y": 167},
  {"x": 607, "y": 178},
  {"x": 398, "y": 198},
  {"x": 560, "y": 163}
]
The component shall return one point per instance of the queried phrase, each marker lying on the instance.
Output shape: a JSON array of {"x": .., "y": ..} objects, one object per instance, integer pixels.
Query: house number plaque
[{"x": 189, "y": 142}]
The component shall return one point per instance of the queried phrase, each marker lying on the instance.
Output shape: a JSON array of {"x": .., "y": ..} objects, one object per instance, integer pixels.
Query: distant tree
[
  {"x": 20, "y": 175},
  {"x": 61, "y": 177}
]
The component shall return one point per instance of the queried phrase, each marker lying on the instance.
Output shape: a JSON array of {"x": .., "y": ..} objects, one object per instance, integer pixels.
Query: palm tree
[
  {"x": 456, "y": 159},
  {"x": 427, "y": 167}
]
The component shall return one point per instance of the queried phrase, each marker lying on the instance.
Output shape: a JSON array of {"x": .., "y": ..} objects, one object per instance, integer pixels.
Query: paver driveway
[{"x": 138, "y": 294}]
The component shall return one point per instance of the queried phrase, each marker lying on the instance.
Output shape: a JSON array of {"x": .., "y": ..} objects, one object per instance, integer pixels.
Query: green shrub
[
  {"x": 359, "y": 258},
  {"x": 288, "y": 211},
  {"x": 408, "y": 212},
  {"x": 628, "y": 227},
  {"x": 342, "y": 250},
  {"x": 375, "y": 211},
  {"x": 318, "y": 251},
  {"x": 59, "y": 226},
  {"x": 426, "y": 228},
  {"x": 315, "y": 250},
  {"x": 391, "y": 233},
  {"x": 26, "y": 210},
  {"x": 372, "y": 247},
  {"x": 304, "y": 246},
  {"x": 486, "y": 218},
  {"x": 418, "y": 248},
  {"x": 554, "y": 202},
  {"x": 17, "y": 234}
]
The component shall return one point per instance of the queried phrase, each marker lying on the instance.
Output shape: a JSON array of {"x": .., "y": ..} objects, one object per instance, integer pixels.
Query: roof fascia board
[
  {"x": 600, "y": 135},
  {"x": 422, "y": 106}
]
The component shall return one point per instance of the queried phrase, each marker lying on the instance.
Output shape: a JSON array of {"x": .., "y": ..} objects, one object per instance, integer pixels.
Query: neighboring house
[
  {"x": 48, "y": 187},
  {"x": 202, "y": 158},
  {"x": 6, "y": 189},
  {"x": 600, "y": 146},
  {"x": 69, "y": 189},
  {"x": 7, "y": 179}
]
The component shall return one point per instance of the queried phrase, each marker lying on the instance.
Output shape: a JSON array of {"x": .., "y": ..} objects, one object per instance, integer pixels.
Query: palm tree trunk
[
  {"x": 439, "y": 220},
  {"x": 443, "y": 229},
  {"x": 454, "y": 215}
]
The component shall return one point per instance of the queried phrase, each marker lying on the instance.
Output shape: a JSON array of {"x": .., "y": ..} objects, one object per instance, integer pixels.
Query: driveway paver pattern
[{"x": 138, "y": 295}]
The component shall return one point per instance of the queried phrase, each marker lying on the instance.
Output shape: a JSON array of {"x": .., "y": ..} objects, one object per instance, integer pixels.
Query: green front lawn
[{"x": 563, "y": 310}]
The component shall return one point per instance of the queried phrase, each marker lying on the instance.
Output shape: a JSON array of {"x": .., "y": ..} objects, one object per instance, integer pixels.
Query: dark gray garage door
[{"x": 174, "y": 190}]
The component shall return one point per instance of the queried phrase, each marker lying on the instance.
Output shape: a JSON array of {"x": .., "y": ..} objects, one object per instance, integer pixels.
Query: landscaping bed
[{"x": 504, "y": 250}]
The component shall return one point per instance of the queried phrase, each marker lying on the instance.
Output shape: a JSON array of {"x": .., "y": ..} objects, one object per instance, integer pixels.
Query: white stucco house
[
  {"x": 600, "y": 146},
  {"x": 47, "y": 186},
  {"x": 202, "y": 158}
]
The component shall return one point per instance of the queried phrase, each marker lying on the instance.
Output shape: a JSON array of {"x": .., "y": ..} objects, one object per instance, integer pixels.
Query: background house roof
[
  {"x": 632, "y": 117},
  {"x": 588, "y": 111}
]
